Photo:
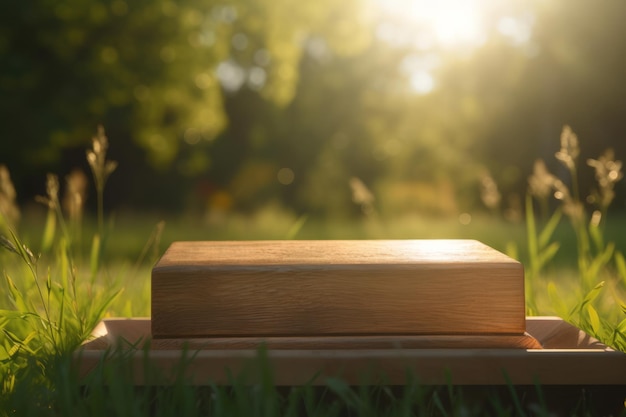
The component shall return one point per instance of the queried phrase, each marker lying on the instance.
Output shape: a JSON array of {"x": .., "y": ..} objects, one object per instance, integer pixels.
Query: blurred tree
[
  {"x": 152, "y": 71},
  {"x": 494, "y": 110},
  {"x": 254, "y": 100},
  {"x": 570, "y": 73},
  {"x": 503, "y": 105}
]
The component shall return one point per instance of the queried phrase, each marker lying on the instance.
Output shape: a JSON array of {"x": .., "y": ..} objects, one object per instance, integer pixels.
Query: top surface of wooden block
[{"x": 330, "y": 252}]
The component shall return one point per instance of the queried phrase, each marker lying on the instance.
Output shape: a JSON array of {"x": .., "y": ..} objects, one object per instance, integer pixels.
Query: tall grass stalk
[
  {"x": 38, "y": 331},
  {"x": 101, "y": 170},
  {"x": 600, "y": 265}
]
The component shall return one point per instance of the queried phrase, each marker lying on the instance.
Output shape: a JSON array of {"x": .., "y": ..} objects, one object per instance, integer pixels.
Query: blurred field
[
  {"x": 135, "y": 241},
  {"x": 130, "y": 231}
]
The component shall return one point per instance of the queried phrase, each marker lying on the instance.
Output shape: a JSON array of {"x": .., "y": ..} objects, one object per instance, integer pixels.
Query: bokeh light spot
[
  {"x": 192, "y": 136},
  {"x": 465, "y": 219},
  {"x": 240, "y": 41},
  {"x": 231, "y": 75},
  {"x": 256, "y": 78},
  {"x": 517, "y": 29},
  {"x": 108, "y": 55},
  {"x": 262, "y": 57},
  {"x": 422, "y": 82},
  {"x": 203, "y": 81},
  {"x": 285, "y": 176}
]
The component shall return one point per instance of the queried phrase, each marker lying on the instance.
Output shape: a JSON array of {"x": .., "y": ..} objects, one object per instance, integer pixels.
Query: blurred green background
[{"x": 329, "y": 109}]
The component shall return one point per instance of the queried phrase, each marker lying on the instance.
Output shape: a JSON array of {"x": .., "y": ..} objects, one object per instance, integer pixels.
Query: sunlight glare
[
  {"x": 446, "y": 23},
  {"x": 453, "y": 22},
  {"x": 420, "y": 69},
  {"x": 437, "y": 30},
  {"x": 422, "y": 82},
  {"x": 517, "y": 29}
]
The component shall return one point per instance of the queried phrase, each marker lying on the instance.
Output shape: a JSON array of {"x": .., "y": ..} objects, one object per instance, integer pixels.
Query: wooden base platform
[{"x": 564, "y": 356}]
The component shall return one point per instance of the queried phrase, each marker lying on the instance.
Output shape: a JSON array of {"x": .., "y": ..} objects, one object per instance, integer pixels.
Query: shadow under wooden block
[
  {"x": 336, "y": 288},
  {"x": 568, "y": 357}
]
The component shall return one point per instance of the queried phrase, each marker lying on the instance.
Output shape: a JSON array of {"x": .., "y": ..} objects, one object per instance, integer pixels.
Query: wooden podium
[{"x": 438, "y": 308}]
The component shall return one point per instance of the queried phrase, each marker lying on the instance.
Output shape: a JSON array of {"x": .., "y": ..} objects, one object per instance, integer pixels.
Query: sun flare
[
  {"x": 441, "y": 23},
  {"x": 436, "y": 29},
  {"x": 451, "y": 21}
]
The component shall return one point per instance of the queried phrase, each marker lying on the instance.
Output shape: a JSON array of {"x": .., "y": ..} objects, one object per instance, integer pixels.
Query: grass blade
[
  {"x": 94, "y": 259},
  {"x": 550, "y": 227},
  {"x": 49, "y": 231}
]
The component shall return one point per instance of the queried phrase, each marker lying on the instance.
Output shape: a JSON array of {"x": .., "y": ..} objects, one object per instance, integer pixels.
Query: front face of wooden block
[{"x": 316, "y": 288}]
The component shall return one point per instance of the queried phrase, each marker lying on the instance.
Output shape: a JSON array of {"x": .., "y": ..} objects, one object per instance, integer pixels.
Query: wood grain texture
[
  {"x": 139, "y": 331},
  {"x": 341, "y": 288},
  {"x": 573, "y": 358}
]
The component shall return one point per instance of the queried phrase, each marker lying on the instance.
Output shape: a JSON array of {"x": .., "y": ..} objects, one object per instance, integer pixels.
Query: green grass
[
  {"x": 43, "y": 382},
  {"x": 62, "y": 276}
]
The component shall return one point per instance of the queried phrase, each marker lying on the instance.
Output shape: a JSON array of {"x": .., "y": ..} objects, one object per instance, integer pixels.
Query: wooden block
[
  {"x": 336, "y": 288},
  {"x": 569, "y": 357}
]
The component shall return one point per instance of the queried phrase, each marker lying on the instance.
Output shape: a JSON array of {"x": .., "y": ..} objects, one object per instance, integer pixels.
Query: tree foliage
[
  {"x": 153, "y": 71},
  {"x": 207, "y": 101}
]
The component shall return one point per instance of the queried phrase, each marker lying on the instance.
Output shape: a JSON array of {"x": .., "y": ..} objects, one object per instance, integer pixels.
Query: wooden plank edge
[
  {"x": 592, "y": 364},
  {"x": 429, "y": 366},
  {"x": 524, "y": 341}
]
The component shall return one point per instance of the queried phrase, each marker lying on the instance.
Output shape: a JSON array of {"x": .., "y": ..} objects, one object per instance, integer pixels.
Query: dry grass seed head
[
  {"x": 568, "y": 154},
  {"x": 75, "y": 193},
  {"x": 97, "y": 158},
  {"x": 52, "y": 192},
  {"x": 608, "y": 172},
  {"x": 541, "y": 182},
  {"x": 571, "y": 206},
  {"x": 8, "y": 205},
  {"x": 489, "y": 192},
  {"x": 362, "y": 195}
]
